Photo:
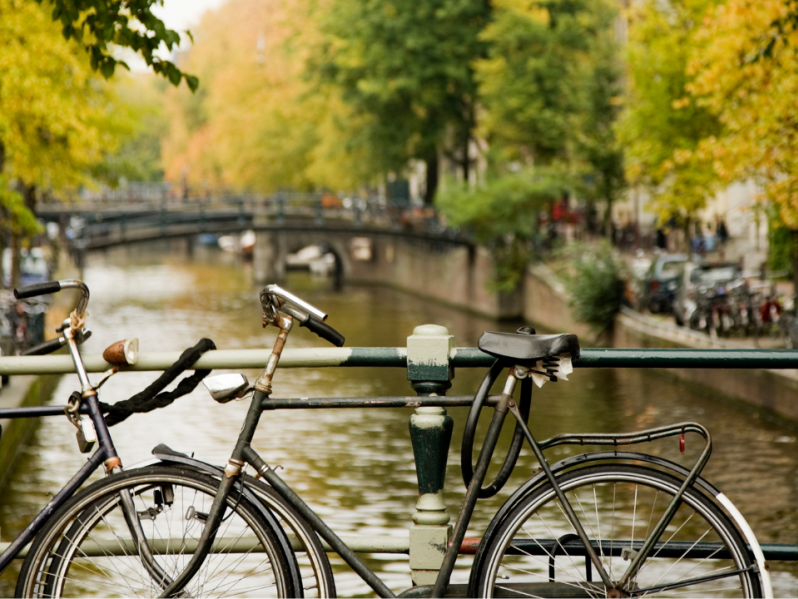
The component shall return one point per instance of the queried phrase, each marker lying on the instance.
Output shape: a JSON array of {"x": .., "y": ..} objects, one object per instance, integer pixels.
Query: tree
[
  {"x": 101, "y": 25},
  {"x": 749, "y": 81},
  {"x": 140, "y": 123},
  {"x": 406, "y": 71},
  {"x": 258, "y": 124},
  {"x": 549, "y": 87},
  {"x": 54, "y": 113},
  {"x": 501, "y": 214},
  {"x": 661, "y": 126}
]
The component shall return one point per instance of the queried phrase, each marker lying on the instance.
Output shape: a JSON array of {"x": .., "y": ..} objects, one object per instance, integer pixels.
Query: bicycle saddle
[{"x": 527, "y": 348}]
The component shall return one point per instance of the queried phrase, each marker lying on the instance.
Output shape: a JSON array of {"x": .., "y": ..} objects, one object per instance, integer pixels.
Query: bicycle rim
[
  {"x": 534, "y": 552},
  {"x": 314, "y": 565},
  {"x": 87, "y": 549}
]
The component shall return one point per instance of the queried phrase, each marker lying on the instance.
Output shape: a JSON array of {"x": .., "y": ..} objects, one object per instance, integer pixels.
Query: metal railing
[
  {"x": 112, "y": 222},
  {"x": 430, "y": 360}
]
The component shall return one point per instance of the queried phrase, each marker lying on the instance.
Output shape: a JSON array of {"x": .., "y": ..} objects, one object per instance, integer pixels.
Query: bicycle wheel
[
  {"x": 314, "y": 565},
  {"x": 535, "y": 552},
  {"x": 87, "y": 549}
]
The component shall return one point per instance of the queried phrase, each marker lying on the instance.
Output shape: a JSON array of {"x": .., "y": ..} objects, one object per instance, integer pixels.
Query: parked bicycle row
[{"x": 719, "y": 298}]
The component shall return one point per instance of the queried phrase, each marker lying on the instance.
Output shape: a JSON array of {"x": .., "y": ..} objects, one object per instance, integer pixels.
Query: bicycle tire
[
  {"x": 314, "y": 564},
  {"x": 610, "y": 499},
  {"x": 71, "y": 556}
]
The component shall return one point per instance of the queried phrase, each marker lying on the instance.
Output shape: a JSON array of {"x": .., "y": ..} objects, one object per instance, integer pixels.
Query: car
[
  {"x": 695, "y": 276},
  {"x": 660, "y": 282}
]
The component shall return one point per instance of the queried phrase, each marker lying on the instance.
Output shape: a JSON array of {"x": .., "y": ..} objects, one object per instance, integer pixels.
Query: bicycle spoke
[{"x": 627, "y": 502}]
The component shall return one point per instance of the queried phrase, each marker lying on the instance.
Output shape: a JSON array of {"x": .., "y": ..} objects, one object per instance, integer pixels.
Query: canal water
[{"x": 355, "y": 467}]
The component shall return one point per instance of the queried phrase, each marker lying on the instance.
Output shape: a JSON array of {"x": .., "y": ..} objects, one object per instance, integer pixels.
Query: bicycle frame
[
  {"x": 104, "y": 455},
  {"x": 243, "y": 454}
]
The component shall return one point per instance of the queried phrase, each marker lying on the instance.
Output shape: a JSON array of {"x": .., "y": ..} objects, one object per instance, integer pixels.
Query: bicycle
[
  {"x": 185, "y": 489},
  {"x": 608, "y": 523}
]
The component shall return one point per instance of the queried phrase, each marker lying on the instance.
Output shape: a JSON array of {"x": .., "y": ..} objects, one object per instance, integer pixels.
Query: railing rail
[{"x": 396, "y": 357}]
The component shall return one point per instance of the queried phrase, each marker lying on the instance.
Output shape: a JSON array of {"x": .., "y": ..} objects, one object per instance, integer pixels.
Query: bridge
[
  {"x": 371, "y": 240},
  {"x": 109, "y": 223}
]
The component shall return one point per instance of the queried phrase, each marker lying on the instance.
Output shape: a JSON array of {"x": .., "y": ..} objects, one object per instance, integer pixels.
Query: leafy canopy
[
  {"x": 99, "y": 25},
  {"x": 750, "y": 82},
  {"x": 405, "y": 69},
  {"x": 258, "y": 124},
  {"x": 502, "y": 215},
  {"x": 550, "y": 85},
  {"x": 58, "y": 119},
  {"x": 662, "y": 126}
]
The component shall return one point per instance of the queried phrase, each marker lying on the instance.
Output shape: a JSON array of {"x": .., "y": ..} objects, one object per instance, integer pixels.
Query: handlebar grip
[
  {"x": 38, "y": 289},
  {"x": 45, "y": 348},
  {"x": 324, "y": 331}
]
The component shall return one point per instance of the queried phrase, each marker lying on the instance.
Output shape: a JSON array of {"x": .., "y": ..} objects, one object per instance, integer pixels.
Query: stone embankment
[
  {"x": 30, "y": 390},
  {"x": 775, "y": 391}
]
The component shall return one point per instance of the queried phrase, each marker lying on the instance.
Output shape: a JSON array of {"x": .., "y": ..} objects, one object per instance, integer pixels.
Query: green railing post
[{"x": 429, "y": 350}]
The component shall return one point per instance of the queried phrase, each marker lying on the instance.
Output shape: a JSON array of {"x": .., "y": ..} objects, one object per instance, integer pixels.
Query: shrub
[{"x": 595, "y": 278}]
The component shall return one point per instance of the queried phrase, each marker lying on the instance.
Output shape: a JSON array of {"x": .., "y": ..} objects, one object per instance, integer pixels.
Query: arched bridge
[{"x": 371, "y": 241}]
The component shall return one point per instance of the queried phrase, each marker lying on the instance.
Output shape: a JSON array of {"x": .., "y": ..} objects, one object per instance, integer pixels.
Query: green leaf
[
  {"x": 192, "y": 82},
  {"x": 107, "y": 67}
]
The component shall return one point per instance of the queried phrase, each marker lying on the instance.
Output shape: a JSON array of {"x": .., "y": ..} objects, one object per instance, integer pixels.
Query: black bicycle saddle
[{"x": 527, "y": 348}]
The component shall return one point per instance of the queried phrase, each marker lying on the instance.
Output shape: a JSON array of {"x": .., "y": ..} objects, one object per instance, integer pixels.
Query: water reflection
[{"x": 356, "y": 466}]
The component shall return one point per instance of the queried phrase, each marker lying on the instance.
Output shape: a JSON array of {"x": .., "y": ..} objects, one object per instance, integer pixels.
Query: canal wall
[
  {"x": 460, "y": 276},
  {"x": 31, "y": 390},
  {"x": 454, "y": 273},
  {"x": 775, "y": 391}
]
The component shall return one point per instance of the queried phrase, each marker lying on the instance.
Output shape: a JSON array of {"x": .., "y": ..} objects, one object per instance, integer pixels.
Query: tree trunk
[
  {"x": 29, "y": 195},
  {"x": 794, "y": 248},
  {"x": 606, "y": 226},
  {"x": 4, "y": 217},
  {"x": 432, "y": 179},
  {"x": 466, "y": 162},
  {"x": 16, "y": 259}
]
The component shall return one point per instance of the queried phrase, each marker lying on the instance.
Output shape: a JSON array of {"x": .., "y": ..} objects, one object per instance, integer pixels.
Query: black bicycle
[
  {"x": 611, "y": 523},
  {"x": 107, "y": 544}
]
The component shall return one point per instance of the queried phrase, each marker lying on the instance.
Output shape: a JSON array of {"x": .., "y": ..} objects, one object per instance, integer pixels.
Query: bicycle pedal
[
  {"x": 150, "y": 513},
  {"x": 192, "y": 514}
]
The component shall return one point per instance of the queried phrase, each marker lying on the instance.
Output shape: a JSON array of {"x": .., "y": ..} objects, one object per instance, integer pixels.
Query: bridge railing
[
  {"x": 109, "y": 222},
  {"x": 430, "y": 360}
]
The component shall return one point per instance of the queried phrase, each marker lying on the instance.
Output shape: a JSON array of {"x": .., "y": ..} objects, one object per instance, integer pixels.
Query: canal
[{"x": 355, "y": 467}]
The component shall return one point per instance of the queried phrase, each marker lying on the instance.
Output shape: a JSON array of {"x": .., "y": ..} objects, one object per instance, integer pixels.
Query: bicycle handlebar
[
  {"x": 324, "y": 331},
  {"x": 45, "y": 348},
  {"x": 38, "y": 289},
  {"x": 275, "y": 291},
  {"x": 54, "y": 287},
  {"x": 274, "y": 298}
]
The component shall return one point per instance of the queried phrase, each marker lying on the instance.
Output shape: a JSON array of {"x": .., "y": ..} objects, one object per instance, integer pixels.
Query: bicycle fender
[
  {"x": 217, "y": 472},
  {"x": 748, "y": 533},
  {"x": 578, "y": 460}
]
